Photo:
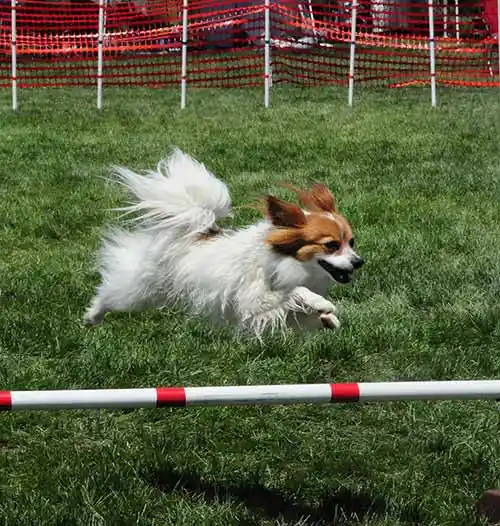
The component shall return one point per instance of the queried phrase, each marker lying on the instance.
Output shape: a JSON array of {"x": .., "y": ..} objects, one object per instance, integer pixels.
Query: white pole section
[
  {"x": 267, "y": 53},
  {"x": 13, "y": 6},
  {"x": 443, "y": 390},
  {"x": 250, "y": 395},
  {"x": 84, "y": 399},
  {"x": 184, "y": 53},
  {"x": 432, "y": 52},
  {"x": 457, "y": 21},
  {"x": 352, "y": 55},
  {"x": 259, "y": 394},
  {"x": 100, "y": 43}
]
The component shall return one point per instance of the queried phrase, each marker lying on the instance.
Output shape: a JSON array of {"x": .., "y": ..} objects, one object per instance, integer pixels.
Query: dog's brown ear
[
  {"x": 323, "y": 198},
  {"x": 284, "y": 214},
  {"x": 317, "y": 199}
]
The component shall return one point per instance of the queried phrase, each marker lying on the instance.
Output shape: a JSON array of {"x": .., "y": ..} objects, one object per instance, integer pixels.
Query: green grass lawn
[{"x": 421, "y": 189}]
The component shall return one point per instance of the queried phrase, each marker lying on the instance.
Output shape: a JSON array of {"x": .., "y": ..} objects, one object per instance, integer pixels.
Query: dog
[{"x": 272, "y": 275}]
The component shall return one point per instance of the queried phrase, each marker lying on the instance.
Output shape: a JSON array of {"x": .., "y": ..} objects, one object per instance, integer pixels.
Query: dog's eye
[
  {"x": 351, "y": 242},
  {"x": 332, "y": 245}
]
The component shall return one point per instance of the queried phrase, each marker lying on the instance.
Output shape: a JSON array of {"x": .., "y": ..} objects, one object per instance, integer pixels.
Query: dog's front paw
[
  {"x": 323, "y": 306},
  {"x": 330, "y": 321},
  {"x": 327, "y": 313},
  {"x": 315, "y": 305}
]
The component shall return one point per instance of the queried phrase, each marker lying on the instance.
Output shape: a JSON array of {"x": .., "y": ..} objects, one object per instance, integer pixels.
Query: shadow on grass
[{"x": 340, "y": 506}]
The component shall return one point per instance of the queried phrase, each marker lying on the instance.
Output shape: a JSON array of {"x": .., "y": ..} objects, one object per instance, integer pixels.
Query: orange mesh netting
[{"x": 57, "y": 42}]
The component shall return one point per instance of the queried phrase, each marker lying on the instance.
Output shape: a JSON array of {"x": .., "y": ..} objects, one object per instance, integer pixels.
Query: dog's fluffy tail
[{"x": 180, "y": 194}]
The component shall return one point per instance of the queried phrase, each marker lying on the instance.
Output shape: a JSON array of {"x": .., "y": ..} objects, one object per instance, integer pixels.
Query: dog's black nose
[{"x": 358, "y": 263}]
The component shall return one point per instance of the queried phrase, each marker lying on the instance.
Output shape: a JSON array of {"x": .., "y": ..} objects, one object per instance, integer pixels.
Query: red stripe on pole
[
  {"x": 5, "y": 400},
  {"x": 170, "y": 396},
  {"x": 345, "y": 392}
]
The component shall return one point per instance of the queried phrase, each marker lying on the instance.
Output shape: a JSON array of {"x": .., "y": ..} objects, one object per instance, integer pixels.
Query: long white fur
[
  {"x": 234, "y": 277},
  {"x": 180, "y": 193}
]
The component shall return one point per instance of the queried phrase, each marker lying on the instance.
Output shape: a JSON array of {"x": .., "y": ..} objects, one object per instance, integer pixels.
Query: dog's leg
[
  {"x": 313, "y": 304},
  {"x": 95, "y": 313}
]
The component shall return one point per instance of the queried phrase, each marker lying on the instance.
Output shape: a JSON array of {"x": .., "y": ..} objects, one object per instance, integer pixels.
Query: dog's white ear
[{"x": 284, "y": 214}]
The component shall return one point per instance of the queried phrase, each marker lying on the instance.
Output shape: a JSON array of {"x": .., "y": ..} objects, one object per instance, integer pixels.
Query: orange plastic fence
[{"x": 56, "y": 43}]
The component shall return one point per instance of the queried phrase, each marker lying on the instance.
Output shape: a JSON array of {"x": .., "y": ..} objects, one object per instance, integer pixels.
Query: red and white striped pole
[{"x": 249, "y": 395}]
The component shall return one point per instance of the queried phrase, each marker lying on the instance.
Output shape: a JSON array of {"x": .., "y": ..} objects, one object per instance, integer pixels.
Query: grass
[{"x": 421, "y": 189}]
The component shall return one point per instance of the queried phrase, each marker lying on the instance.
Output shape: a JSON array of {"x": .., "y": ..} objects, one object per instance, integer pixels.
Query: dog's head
[{"x": 317, "y": 234}]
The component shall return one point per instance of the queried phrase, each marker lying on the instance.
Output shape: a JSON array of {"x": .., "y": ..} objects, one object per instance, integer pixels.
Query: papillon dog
[{"x": 270, "y": 275}]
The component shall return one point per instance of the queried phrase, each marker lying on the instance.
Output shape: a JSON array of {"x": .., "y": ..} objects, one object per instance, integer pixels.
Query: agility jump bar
[{"x": 249, "y": 395}]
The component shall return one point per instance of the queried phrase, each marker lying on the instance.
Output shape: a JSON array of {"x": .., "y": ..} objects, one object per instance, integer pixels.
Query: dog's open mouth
[{"x": 340, "y": 275}]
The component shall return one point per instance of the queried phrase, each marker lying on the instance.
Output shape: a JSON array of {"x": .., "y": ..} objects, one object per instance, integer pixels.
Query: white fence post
[
  {"x": 100, "y": 43},
  {"x": 432, "y": 51},
  {"x": 498, "y": 36},
  {"x": 445, "y": 18},
  {"x": 13, "y": 6},
  {"x": 184, "y": 53},
  {"x": 267, "y": 53},
  {"x": 352, "y": 55}
]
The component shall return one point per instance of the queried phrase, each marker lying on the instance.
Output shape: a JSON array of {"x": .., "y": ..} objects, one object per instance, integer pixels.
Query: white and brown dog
[{"x": 269, "y": 275}]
